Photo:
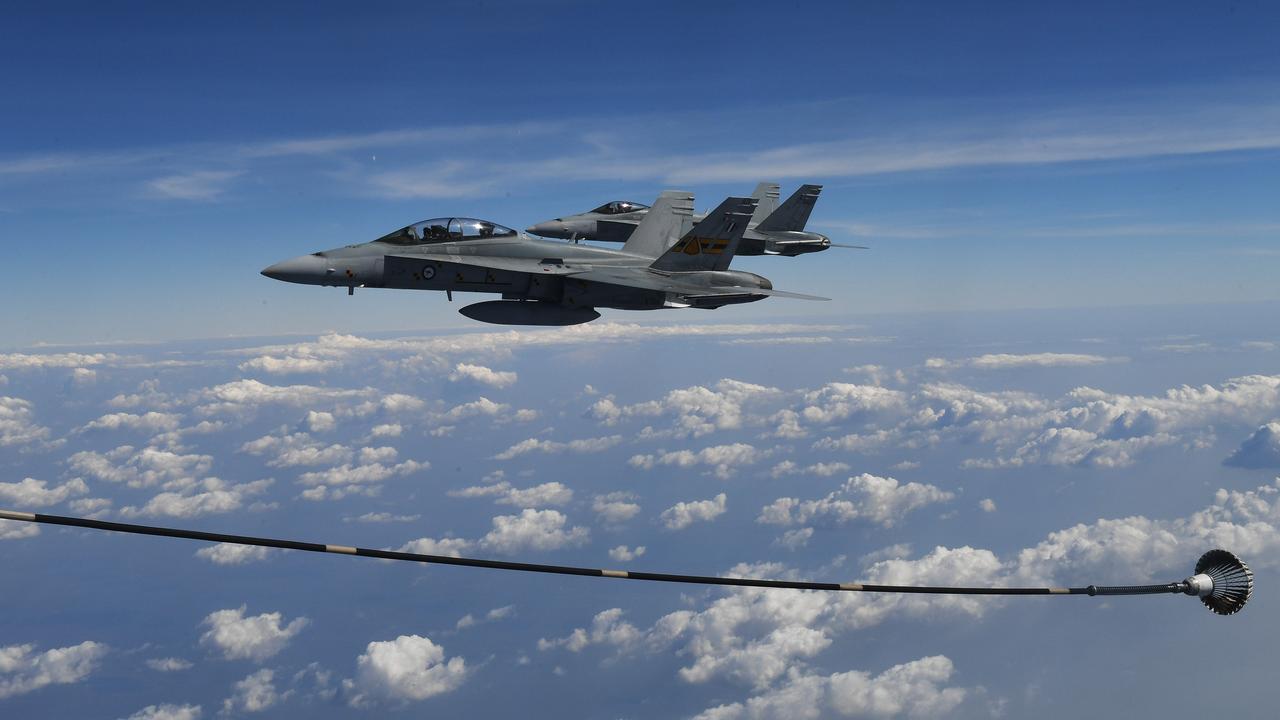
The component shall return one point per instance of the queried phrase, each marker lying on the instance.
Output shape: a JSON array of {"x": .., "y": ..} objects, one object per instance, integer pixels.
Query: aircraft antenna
[{"x": 1222, "y": 581}]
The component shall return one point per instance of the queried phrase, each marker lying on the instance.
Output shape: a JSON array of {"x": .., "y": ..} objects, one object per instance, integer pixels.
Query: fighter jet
[
  {"x": 773, "y": 230},
  {"x": 544, "y": 282}
]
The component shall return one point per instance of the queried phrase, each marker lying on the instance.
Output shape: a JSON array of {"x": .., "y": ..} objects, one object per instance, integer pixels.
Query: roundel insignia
[{"x": 428, "y": 272}]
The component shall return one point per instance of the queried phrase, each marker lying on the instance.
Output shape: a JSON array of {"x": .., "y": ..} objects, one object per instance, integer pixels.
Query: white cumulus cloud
[
  {"x": 450, "y": 547},
  {"x": 723, "y": 459},
  {"x": 533, "y": 530},
  {"x": 683, "y": 514},
  {"x": 695, "y": 411},
  {"x": 167, "y": 712},
  {"x": 409, "y": 668},
  {"x": 483, "y": 407},
  {"x": 150, "y": 421},
  {"x": 210, "y": 496},
  {"x": 551, "y": 447},
  {"x": 336, "y": 482},
  {"x": 622, "y": 553},
  {"x": 16, "y": 530},
  {"x": 23, "y": 670},
  {"x": 255, "y": 693},
  {"x": 866, "y": 497},
  {"x": 550, "y": 493},
  {"x": 34, "y": 361},
  {"x": 321, "y": 421},
  {"x": 230, "y": 554},
  {"x": 297, "y": 449},
  {"x": 32, "y": 493},
  {"x": 482, "y": 374},
  {"x": 1259, "y": 450},
  {"x": 287, "y": 365},
  {"x": 147, "y": 467},
  {"x": 839, "y": 401},
  {"x": 245, "y": 396},
  {"x": 256, "y": 638},
  {"x": 915, "y": 690},
  {"x": 17, "y": 423},
  {"x": 615, "y": 507}
]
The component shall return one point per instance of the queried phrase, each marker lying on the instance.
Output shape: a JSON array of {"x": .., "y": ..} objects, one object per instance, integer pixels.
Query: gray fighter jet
[
  {"x": 773, "y": 230},
  {"x": 664, "y": 264}
]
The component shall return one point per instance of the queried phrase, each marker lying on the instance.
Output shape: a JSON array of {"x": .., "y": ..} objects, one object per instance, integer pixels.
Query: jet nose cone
[
  {"x": 279, "y": 271},
  {"x": 558, "y": 228},
  {"x": 303, "y": 269}
]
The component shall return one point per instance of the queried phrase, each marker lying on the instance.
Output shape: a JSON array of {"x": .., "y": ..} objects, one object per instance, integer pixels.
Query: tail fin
[
  {"x": 668, "y": 219},
  {"x": 794, "y": 213},
  {"x": 710, "y": 245},
  {"x": 767, "y": 194}
]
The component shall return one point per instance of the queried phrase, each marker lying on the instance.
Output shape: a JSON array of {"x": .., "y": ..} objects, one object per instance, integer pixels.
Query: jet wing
[
  {"x": 544, "y": 266},
  {"x": 785, "y": 294},
  {"x": 652, "y": 281},
  {"x": 624, "y": 276},
  {"x": 810, "y": 242},
  {"x": 627, "y": 277}
]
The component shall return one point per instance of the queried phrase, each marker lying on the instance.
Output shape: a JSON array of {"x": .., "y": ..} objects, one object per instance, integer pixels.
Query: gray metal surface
[
  {"x": 668, "y": 262},
  {"x": 773, "y": 229}
]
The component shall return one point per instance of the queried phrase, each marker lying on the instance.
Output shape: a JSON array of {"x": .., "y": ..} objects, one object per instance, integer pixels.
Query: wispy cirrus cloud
[
  {"x": 196, "y": 185},
  {"x": 328, "y": 145},
  {"x": 1082, "y": 228},
  {"x": 1000, "y": 361},
  {"x": 486, "y": 160},
  {"x": 446, "y": 180},
  {"x": 857, "y": 157}
]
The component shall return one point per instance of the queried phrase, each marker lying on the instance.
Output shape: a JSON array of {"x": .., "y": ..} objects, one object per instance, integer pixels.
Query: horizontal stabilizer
[{"x": 784, "y": 294}]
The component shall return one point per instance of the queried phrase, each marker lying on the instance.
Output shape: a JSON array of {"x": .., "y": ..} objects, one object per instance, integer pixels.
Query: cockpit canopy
[
  {"x": 617, "y": 207},
  {"x": 446, "y": 230}
]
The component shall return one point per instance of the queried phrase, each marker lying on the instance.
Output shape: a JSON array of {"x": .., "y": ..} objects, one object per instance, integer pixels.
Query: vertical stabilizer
[
  {"x": 767, "y": 194},
  {"x": 794, "y": 213},
  {"x": 710, "y": 245},
  {"x": 668, "y": 219}
]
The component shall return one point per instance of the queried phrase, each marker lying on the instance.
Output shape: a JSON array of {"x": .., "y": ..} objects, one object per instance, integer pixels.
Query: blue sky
[
  {"x": 1022, "y": 157},
  {"x": 1056, "y": 363}
]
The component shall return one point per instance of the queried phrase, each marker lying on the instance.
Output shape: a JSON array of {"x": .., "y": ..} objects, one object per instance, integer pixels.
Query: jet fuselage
[
  {"x": 380, "y": 265},
  {"x": 618, "y": 228}
]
